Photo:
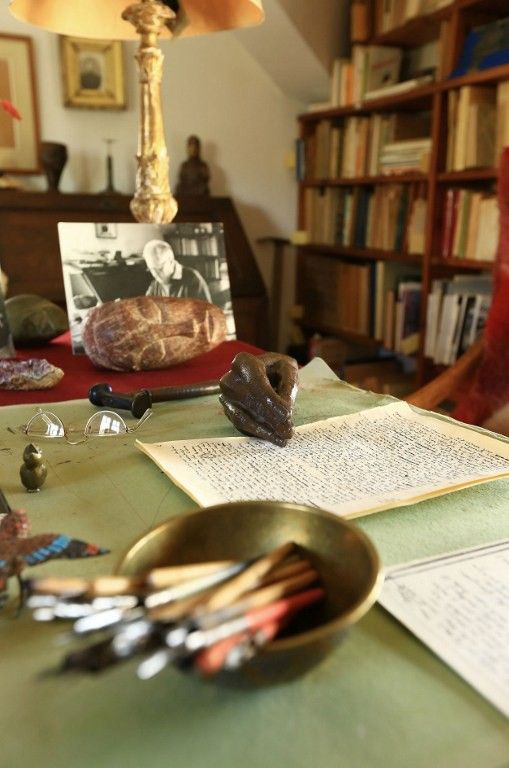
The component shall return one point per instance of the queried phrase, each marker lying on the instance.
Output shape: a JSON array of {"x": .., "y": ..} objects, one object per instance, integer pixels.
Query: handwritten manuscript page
[
  {"x": 351, "y": 465},
  {"x": 458, "y": 604}
]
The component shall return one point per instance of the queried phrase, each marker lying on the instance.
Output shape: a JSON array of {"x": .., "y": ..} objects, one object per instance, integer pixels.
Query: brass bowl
[{"x": 343, "y": 555}]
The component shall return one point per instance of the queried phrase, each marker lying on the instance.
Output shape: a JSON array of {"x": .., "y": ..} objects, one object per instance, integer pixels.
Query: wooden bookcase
[{"x": 323, "y": 282}]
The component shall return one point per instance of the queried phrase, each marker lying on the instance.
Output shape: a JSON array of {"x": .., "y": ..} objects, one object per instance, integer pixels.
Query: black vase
[{"x": 53, "y": 159}]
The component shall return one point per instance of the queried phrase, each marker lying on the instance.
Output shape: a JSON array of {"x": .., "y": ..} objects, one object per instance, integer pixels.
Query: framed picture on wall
[
  {"x": 92, "y": 73},
  {"x": 19, "y": 139}
]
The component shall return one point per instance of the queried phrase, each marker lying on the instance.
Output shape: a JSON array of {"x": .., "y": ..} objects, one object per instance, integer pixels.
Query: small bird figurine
[
  {"x": 33, "y": 471},
  {"x": 18, "y": 549}
]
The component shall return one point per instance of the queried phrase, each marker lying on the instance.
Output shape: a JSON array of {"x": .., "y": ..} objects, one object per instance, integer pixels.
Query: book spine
[{"x": 448, "y": 222}]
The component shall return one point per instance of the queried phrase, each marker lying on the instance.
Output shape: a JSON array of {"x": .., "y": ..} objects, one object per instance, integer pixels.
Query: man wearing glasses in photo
[{"x": 170, "y": 277}]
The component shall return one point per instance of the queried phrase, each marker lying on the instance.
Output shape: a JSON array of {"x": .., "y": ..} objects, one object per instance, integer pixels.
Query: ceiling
[{"x": 297, "y": 44}]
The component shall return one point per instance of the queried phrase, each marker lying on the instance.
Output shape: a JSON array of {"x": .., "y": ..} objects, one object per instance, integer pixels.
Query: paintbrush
[
  {"x": 250, "y": 578},
  {"x": 105, "y": 586},
  {"x": 197, "y": 607},
  {"x": 181, "y": 644}
]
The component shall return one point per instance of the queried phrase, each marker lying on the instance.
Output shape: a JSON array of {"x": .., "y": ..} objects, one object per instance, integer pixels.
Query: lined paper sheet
[
  {"x": 458, "y": 604},
  {"x": 350, "y": 465}
]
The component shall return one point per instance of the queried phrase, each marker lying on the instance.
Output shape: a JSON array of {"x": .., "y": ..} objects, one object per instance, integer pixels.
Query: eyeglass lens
[
  {"x": 45, "y": 424},
  {"x": 101, "y": 424},
  {"x": 104, "y": 423}
]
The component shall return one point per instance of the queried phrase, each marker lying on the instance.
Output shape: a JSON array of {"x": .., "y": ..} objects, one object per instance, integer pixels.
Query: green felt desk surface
[{"x": 380, "y": 699}]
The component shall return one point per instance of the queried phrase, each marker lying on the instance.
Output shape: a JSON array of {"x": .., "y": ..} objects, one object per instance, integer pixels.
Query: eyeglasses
[{"x": 101, "y": 424}]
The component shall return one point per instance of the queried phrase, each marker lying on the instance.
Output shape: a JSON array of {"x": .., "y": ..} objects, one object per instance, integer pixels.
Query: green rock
[{"x": 34, "y": 320}]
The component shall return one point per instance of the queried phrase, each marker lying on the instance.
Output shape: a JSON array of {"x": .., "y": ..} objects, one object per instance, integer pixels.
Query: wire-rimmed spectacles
[{"x": 101, "y": 424}]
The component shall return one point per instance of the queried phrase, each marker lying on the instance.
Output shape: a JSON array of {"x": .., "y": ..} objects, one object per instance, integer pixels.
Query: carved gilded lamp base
[
  {"x": 153, "y": 201},
  {"x": 154, "y": 209}
]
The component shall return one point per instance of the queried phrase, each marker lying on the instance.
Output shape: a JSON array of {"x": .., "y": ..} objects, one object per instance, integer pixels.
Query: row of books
[
  {"x": 455, "y": 315},
  {"x": 397, "y": 307},
  {"x": 390, "y": 14},
  {"x": 195, "y": 246},
  {"x": 365, "y": 146},
  {"x": 338, "y": 294},
  {"x": 369, "y": 68},
  {"x": 380, "y": 300},
  {"x": 375, "y": 71},
  {"x": 383, "y": 300},
  {"x": 388, "y": 217},
  {"x": 478, "y": 126},
  {"x": 405, "y": 156},
  {"x": 472, "y": 127},
  {"x": 470, "y": 225}
]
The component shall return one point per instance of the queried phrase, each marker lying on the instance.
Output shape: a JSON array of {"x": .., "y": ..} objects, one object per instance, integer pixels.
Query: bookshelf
[{"x": 397, "y": 189}]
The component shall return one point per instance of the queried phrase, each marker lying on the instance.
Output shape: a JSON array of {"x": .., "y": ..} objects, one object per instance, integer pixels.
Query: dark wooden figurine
[{"x": 194, "y": 173}]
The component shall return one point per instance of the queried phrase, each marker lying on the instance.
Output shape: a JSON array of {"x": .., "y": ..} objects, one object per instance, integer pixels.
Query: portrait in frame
[
  {"x": 19, "y": 139},
  {"x": 105, "y": 230},
  {"x": 92, "y": 73}
]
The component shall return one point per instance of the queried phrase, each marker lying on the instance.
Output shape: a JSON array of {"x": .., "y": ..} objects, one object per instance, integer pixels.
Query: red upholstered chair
[
  {"x": 449, "y": 385},
  {"x": 483, "y": 369}
]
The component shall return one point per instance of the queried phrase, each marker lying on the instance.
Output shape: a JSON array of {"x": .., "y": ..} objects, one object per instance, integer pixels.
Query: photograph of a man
[
  {"x": 170, "y": 277},
  {"x": 104, "y": 261},
  {"x": 90, "y": 73}
]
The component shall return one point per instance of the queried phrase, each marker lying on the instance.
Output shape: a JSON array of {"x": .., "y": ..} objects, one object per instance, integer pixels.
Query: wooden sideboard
[{"x": 30, "y": 254}]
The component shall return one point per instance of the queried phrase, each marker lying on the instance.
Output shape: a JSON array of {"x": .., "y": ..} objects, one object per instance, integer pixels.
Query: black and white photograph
[{"x": 186, "y": 260}]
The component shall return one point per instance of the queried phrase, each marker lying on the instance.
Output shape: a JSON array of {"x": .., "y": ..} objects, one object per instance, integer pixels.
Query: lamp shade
[{"x": 102, "y": 19}]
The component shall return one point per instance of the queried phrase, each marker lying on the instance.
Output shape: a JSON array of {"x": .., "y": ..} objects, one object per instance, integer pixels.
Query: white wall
[{"x": 212, "y": 87}]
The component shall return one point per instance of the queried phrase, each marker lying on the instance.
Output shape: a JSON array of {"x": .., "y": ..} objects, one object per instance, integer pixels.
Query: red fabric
[
  {"x": 81, "y": 374},
  {"x": 489, "y": 389}
]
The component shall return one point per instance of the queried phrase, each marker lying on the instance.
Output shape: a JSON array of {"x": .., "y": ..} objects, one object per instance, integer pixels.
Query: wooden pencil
[{"x": 249, "y": 578}]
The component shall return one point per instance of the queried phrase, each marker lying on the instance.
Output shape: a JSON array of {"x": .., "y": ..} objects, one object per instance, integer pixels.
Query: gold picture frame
[
  {"x": 92, "y": 73},
  {"x": 19, "y": 139}
]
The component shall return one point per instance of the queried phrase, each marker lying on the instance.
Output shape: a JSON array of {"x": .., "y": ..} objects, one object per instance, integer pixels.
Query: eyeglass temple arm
[{"x": 139, "y": 402}]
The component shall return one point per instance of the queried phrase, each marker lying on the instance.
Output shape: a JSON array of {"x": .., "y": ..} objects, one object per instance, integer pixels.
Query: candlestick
[{"x": 110, "y": 187}]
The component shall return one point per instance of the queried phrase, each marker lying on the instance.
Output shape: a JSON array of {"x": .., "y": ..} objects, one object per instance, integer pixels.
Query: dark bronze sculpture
[
  {"x": 194, "y": 173},
  {"x": 258, "y": 395},
  {"x": 33, "y": 471}
]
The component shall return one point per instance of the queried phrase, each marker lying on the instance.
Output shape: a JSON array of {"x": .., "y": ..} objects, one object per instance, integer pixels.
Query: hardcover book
[{"x": 485, "y": 46}]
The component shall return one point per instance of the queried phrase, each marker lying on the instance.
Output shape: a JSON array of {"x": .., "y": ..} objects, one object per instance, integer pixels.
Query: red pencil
[
  {"x": 235, "y": 650},
  {"x": 253, "y": 620}
]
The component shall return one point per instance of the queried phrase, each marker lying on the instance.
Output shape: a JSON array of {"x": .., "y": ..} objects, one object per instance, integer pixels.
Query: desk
[
  {"x": 380, "y": 699},
  {"x": 80, "y": 373}
]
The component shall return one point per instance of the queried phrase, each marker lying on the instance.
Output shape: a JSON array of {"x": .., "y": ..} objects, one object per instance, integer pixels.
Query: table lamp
[{"x": 153, "y": 201}]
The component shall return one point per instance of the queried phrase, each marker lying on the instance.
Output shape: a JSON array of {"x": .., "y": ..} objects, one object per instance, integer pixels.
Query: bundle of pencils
[{"x": 212, "y": 616}]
